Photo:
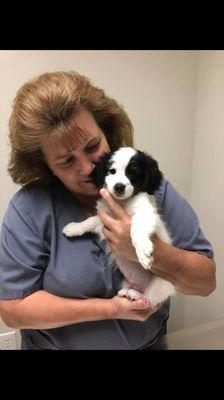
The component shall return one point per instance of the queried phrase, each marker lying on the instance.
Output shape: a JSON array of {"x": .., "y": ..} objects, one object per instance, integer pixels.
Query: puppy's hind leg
[{"x": 159, "y": 290}]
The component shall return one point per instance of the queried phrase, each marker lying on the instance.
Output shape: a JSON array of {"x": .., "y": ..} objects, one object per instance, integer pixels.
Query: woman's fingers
[{"x": 114, "y": 206}]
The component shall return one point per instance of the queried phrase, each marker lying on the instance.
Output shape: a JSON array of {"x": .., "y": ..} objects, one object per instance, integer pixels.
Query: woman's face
[{"x": 74, "y": 167}]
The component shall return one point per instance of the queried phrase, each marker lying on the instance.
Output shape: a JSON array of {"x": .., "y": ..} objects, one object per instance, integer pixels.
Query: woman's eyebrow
[
  {"x": 62, "y": 156},
  {"x": 92, "y": 140}
]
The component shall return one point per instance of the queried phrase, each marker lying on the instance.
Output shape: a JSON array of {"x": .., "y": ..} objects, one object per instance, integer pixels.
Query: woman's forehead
[
  {"x": 68, "y": 139},
  {"x": 76, "y": 132}
]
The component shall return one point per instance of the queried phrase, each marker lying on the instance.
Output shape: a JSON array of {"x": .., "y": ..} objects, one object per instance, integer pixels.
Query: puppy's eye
[{"x": 112, "y": 171}]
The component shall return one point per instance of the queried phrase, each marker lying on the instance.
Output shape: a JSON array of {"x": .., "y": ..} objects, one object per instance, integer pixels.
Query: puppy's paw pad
[
  {"x": 70, "y": 229},
  {"x": 144, "y": 261},
  {"x": 150, "y": 261},
  {"x": 122, "y": 293},
  {"x": 144, "y": 253},
  {"x": 133, "y": 294},
  {"x": 148, "y": 249}
]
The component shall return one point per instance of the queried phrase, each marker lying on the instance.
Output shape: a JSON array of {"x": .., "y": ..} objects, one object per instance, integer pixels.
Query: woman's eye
[
  {"x": 93, "y": 147},
  {"x": 112, "y": 171},
  {"x": 67, "y": 162}
]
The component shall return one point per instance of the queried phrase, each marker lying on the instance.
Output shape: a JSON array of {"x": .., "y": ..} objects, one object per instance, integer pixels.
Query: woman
[{"x": 60, "y": 292}]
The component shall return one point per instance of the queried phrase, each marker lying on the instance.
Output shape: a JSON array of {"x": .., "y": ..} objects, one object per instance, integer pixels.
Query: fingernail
[
  {"x": 102, "y": 191},
  {"x": 146, "y": 303}
]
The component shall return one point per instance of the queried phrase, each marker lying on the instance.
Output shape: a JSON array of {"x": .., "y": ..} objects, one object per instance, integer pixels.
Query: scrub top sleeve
[
  {"x": 181, "y": 221},
  {"x": 23, "y": 257}
]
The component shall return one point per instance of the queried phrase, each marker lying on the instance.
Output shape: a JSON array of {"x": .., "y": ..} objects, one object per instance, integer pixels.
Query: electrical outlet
[{"x": 8, "y": 341}]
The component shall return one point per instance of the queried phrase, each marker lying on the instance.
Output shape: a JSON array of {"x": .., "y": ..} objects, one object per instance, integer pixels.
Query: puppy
[{"x": 131, "y": 177}]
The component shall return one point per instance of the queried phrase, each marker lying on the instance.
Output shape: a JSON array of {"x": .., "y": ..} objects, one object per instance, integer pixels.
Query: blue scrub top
[{"x": 35, "y": 255}]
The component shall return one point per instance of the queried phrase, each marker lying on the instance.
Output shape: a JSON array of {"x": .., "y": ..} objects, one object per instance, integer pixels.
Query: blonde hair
[{"x": 45, "y": 106}]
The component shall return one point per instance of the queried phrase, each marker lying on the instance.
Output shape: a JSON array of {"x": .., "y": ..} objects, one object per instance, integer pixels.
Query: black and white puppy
[{"x": 131, "y": 177}]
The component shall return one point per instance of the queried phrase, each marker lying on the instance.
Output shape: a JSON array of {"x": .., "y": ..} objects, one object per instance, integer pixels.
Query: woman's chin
[{"x": 89, "y": 189}]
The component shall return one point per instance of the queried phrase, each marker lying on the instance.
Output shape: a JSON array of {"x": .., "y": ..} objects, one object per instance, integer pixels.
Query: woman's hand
[
  {"x": 117, "y": 228},
  {"x": 138, "y": 310}
]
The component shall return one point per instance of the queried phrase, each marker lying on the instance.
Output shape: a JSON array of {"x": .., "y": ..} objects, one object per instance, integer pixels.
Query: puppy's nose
[{"x": 119, "y": 188}]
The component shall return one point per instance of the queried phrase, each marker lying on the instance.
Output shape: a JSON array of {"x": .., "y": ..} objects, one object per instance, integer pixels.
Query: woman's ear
[
  {"x": 100, "y": 171},
  {"x": 152, "y": 175}
]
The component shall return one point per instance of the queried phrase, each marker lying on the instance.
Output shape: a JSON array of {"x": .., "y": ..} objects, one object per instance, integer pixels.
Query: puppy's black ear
[
  {"x": 152, "y": 175},
  {"x": 100, "y": 171}
]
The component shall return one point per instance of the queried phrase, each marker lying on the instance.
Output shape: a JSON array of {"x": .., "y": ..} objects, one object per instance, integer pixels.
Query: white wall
[
  {"x": 158, "y": 90},
  {"x": 207, "y": 189}
]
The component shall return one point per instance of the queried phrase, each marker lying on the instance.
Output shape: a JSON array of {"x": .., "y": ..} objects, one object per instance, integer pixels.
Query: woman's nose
[{"x": 85, "y": 165}]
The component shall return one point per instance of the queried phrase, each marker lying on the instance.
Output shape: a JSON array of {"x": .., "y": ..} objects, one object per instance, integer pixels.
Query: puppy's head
[
  {"x": 127, "y": 172},
  {"x": 143, "y": 172}
]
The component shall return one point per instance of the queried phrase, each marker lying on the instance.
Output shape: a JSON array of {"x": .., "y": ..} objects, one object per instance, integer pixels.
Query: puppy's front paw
[
  {"x": 131, "y": 294},
  {"x": 144, "y": 253},
  {"x": 72, "y": 229}
]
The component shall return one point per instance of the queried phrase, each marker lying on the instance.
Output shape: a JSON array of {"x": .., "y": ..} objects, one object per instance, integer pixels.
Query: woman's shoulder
[
  {"x": 32, "y": 197},
  {"x": 166, "y": 194},
  {"x": 161, "y": 191},
  {"x": 31, "y": 206},
  {"x": 29, "y": 193}
]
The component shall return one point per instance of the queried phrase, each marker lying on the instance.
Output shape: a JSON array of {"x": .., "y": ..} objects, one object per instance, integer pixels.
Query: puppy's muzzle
[{"x": 119, "y": 188}]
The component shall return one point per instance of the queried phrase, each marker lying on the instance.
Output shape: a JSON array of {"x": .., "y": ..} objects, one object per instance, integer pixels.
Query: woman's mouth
[{"x": 87, "y": 180}]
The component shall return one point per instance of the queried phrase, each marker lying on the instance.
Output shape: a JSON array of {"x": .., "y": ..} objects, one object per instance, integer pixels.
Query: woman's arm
[
  {"x": 190, "y": 272},
  {"x": 42, "y": 310}
]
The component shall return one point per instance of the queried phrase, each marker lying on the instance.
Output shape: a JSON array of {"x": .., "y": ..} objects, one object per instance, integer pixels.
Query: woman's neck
[{"x": 88, "y": 204}]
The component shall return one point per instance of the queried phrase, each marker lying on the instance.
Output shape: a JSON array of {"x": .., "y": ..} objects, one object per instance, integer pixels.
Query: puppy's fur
[{"x": 132, "y": 177}]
